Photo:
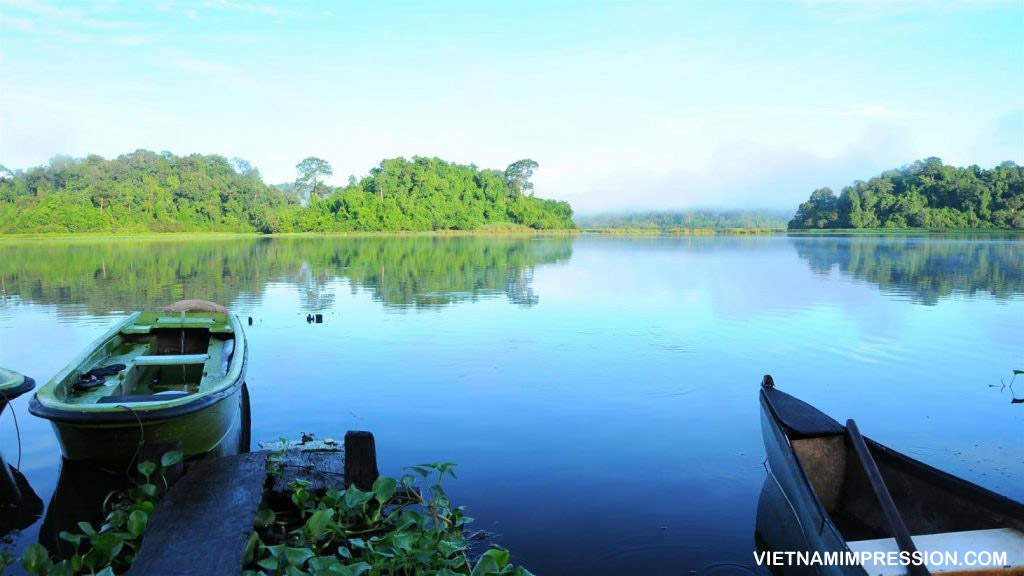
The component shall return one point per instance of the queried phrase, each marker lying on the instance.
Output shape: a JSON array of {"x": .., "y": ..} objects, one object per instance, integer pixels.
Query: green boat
[
  {"x": 155, "y": 377},
  {"x": 13, "y": 385}
]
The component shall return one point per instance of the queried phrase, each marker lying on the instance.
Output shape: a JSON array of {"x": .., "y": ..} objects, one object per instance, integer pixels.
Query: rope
[
  {"x": 142, "y": 438},
  {"x": 17, "y": 429}
]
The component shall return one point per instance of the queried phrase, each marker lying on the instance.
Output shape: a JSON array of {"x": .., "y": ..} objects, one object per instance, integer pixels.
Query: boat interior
[
  {"x": 941, "y": 512},
  {"x": 164, "y": 357}
]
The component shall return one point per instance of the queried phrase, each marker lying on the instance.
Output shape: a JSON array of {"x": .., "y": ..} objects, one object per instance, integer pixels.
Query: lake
[{"x": 598, "y": 393}]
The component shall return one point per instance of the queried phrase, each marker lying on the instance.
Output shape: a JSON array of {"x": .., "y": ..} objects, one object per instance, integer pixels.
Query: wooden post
[{"x": 360, "y": 459}]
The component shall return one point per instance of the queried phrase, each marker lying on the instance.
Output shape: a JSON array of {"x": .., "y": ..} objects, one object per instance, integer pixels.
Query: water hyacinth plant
[
  {"x": 109, "y": 549},
  {"x": 404, "y": 526}
]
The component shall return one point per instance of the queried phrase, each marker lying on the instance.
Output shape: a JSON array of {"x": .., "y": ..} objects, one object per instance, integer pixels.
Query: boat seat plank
[
  {"x": 171, "y": 359},
  {"x": 993, "y": 540},
  {"x": 186, "y": 321},
  {"x": 211, "y": 368},
  {"x": 131, "y": 398}
]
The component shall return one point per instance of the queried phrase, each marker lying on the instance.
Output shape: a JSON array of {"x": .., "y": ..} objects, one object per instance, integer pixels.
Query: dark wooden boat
[{"x": 851, "y": 494}]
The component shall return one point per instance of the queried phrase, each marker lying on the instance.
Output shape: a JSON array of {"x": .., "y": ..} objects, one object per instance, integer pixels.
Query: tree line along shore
[{"x": 145, "y": 192}]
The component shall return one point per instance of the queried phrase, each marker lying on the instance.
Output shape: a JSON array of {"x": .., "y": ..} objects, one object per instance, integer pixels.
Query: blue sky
[{"x": 623, "y": 104}]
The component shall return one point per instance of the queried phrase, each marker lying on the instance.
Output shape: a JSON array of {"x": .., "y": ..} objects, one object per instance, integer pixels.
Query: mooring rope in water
[
  {"x": 183, "y": 343},
  {"x": 142, "y": 438},
  {"x": 17, "y": 429}
]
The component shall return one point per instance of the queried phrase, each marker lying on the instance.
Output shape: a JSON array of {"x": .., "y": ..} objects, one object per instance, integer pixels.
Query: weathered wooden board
[
  {"x": 201, "y": 525},
  {"x": 324, "y": 469}
]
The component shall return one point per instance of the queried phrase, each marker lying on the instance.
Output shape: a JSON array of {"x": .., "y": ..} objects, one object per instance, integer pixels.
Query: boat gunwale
[
  {"x": 10, "y": 392},
  {"x": 44, "y": 403},
  {"x": 922, "y": 471}
]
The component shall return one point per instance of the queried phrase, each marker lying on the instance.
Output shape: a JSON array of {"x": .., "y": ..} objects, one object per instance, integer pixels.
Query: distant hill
[
  {"x": 696, "y": 219},
  {"x": 148, "y": 192},
  {"x": 925, "y": 194}
]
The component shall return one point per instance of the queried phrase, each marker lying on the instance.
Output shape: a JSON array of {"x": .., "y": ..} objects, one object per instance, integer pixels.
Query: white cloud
[
  {"x": 267, "y": 9},
  {"x": 22, "y": 24},
  {"x": 69, "y": 16}
]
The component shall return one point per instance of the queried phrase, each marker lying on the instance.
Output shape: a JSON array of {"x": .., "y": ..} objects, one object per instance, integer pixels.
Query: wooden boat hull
[
  {"x": 106, "y": 443},
  {"x": 814, "y": 482},
  {"x": 792, "y": 488}
]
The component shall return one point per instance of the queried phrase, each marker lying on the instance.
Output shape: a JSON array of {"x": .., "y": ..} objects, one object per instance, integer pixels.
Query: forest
[
  {"x": 925, "y": 194},
  {"x": 144, "y": 192}
]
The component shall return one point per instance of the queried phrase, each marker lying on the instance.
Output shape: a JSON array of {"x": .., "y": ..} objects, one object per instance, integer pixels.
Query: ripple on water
[{"x": 724, "y": 568}]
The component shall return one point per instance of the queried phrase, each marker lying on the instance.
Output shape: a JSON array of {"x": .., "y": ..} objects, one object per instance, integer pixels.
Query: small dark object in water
[
  {"x": 319, "y": 318},
  {"x": 309, "y": 318},
  {"x": 250, "y": 320},
  {"x": 97, "y": 376}
]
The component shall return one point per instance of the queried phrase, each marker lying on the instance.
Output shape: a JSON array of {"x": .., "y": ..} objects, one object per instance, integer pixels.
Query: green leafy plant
[
  {"x": 110, "y": 548},
  {"x": 405, "y": 526}
]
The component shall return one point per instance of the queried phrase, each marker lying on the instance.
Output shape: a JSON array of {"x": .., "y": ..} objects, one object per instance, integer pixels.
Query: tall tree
[
  {"x": 518, "y": 175},
  {"x": 311, "y": 171}
]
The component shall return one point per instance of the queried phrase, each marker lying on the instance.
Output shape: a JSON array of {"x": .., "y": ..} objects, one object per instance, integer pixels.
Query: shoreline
[{"x": 514, "y": 232}]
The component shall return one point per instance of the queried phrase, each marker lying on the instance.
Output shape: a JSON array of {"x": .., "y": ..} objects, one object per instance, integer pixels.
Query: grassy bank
[{"x": 516, "y": 230}]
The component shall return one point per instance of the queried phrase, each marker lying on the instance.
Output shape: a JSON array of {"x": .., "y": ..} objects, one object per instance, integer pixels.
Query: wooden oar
[{"x": 897, "y": 527}]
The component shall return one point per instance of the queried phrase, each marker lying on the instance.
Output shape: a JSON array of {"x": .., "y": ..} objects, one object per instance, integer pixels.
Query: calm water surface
[{"x": 598, "y": 393}]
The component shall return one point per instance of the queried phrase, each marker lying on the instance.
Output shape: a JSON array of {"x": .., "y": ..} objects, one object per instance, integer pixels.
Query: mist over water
[{"x": 598, "y": 393}]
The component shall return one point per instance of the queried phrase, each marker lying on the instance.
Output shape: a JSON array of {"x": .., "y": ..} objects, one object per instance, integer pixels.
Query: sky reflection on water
[{"x": 598, "y": 393}]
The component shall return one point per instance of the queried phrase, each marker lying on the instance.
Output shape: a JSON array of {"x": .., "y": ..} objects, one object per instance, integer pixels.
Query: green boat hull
[
  {"x": 218, "y": 429},
  {"x": 175, "y": 379},
  {"x": 13, "y": 385}
]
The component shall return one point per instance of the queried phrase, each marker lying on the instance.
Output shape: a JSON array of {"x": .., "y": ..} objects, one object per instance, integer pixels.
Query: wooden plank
[
  {"x": 960, "y": 543},
  {"x": 202, "y": 524},
  {"x": 211, "y": 369},
  {"x": 171, "y": 360},
  {"x": 323, "y": 468},
  {"x": 892, "y": 515}
]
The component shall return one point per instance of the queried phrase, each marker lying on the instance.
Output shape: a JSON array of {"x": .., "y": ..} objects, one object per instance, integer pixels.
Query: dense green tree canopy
[
  {"x": 925, "y": 194},
  {"x": 149, "y": 192}
]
